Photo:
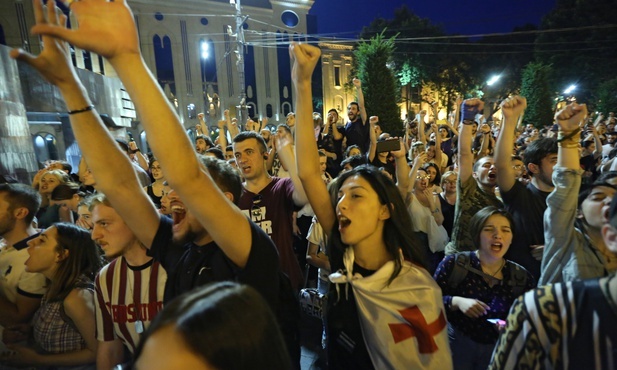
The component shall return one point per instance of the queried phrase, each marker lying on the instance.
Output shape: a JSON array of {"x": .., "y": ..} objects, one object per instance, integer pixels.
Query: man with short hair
[
  {"x": 527, "y": 203},
  {"x": 357, "y": 128},
  {"x": 129, "y": 290},
  {"x": 475, "y": 184},
  {"x": 268, "y": 200},
  {"x": 20, "y": 291}
]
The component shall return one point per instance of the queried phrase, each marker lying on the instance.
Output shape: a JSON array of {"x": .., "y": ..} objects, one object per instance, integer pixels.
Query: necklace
[
  {"x": 137, "y": 299},
  {"x": 494, "y": 274}
]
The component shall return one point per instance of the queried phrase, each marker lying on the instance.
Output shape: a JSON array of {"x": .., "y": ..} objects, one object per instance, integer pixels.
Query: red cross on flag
[{"x": 403, "y": 323}]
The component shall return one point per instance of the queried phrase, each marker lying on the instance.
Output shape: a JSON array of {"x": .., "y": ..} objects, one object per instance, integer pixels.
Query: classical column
[{"x": 17, "y": 157}]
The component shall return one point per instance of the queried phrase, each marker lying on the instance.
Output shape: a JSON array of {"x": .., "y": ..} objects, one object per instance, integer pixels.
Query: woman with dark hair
[
  {"x": 156, "y": 189},
  {"x": 223, "y": 326},
  {"x": 425, "y": 210},
  {"x": 479, "y": 288},
  {"x": 380, "y": 285},
  {"x": 62, "y": 200},
  {"x": 63, "y": 329},
  {"x": 433, "y": 183}
]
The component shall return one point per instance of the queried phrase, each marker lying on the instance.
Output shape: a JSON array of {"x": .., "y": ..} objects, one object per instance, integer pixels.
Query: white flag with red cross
[{"x": 404, "y": 323}]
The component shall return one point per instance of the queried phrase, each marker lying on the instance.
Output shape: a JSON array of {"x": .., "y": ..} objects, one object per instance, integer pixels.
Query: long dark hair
[
  {"x": 83, "y": 259},
  {"x": 229, "y": 325},
  {"x": 397, "y": 232}
]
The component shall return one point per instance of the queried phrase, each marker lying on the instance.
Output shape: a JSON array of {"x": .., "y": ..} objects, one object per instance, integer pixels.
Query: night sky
[{"x": 345, "y": 18}]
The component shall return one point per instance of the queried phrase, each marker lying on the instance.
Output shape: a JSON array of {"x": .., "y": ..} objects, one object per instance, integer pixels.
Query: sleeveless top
[
  {"x": 53, "y": 330},
  {"x": 155, "y": 199}
]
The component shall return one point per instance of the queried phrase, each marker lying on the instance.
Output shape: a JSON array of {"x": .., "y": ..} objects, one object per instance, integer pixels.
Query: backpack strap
[
  {"x": 518, "y": 278},
  {"x": 462, "y": 264}
]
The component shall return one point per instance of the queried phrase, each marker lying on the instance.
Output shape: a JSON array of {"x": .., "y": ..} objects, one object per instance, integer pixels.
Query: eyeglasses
[
  {"x": 256, "y": 209},
  {"x": 448, "y": 182},
  {"x": 517, "y": 166},
  {"x": 420, "y": 177}
]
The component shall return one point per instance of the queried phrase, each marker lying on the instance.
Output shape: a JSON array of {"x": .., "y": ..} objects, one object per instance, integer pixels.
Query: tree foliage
[
  {"x": 585, "y": 53},
  {"x": 536, "y": 88},
  {"x": 606, "y": 96},
  {"x": 373, "y": 60}
]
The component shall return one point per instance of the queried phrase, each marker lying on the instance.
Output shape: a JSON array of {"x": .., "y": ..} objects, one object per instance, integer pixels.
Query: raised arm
[
  {"x": 511, "y": 108},
  {"x": 358, "y": 85},
  {"x": 422, "y": 127},
  {"x": 372, "y": 149},
  {"x": 465, "y": 156},
  {"x": 108, "y": 29},
  {"x": 331, "y": 125},
  {"x": 283, "y": 144},
  {"x": 304, "y": 58},
  {"x": 222, "y": 135},
  {"x": 119, "y": 182},
  {"x": 402, "y": 169}
]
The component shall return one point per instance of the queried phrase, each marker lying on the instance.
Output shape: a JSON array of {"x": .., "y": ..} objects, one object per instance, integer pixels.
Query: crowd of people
[{"x": 465, "y": 244}]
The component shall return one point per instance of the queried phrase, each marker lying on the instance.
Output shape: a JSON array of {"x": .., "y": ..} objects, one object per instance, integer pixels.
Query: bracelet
[
  {"x": 561, "y": 137},
  {"x": 468, "y": 122},
  {"x": 569, "y": 144},
  {"x": 86, "y": 109}
]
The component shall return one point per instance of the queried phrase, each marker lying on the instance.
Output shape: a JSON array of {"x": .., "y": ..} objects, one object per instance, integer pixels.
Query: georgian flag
[{"x": 403, "y": 324}]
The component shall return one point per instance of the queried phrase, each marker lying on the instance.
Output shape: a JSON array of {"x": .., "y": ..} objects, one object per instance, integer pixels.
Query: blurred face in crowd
[
  {"x": 157, "y": 172},
  {"x": 290, "y": 120},
  {"x": 519, "y": 168},
  {"x": 186, "y": 228},
  {"x": 201, "y": 146},
  {"x": 596, "y": 205},
  {"x": 88, "y": 178},
  {"x": 486, "y": 172},
  {"x": 545, "y": 173},
  {"x": 323, "y": 163},
  {"x": 48, "y": 183},
  {"x": 449, "y": 184},
  {"x": 432, "y": 172},
  {"x": 353, "y": 112},
  {"x": 422, "y": 180},
  {"x": 44, "y": 253}
]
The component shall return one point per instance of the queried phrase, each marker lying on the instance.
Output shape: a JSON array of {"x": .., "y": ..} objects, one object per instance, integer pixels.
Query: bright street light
[
  {"x": 204, "y": 50},
  {"x": 493, "y": 79},
  {"x": 569, "y": 89}
]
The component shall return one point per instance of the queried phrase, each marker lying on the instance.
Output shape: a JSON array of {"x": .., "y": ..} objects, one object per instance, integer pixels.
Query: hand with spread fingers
[
  {"x": 104, "y": 27},
  {"x": 54, "y": 62}
]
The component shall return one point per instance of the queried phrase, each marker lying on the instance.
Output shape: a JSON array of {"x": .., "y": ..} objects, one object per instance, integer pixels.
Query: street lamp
[
  {"x": 493, "y": 80},
  {"x": 569, "y": 90}
]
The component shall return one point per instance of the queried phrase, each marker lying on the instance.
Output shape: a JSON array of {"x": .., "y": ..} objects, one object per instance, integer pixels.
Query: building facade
[{"x": 192, "y": 48}]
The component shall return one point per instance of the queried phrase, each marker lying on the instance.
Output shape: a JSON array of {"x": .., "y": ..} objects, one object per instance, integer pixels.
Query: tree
[
  {"x": 606, "y": 96},
  {"x": 373, "y": 59},
  {"x": 536, "y": 88},
  {"x": 584, "y": 52}
]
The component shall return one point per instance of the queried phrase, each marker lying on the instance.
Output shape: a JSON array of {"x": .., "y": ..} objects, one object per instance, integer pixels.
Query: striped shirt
[
  {"x": 126, "y": 295},
  {"x": 561, "y": 326}
]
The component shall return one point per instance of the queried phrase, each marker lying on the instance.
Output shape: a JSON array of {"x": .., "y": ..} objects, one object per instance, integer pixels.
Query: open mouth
[
  {"x": 496, "y": 247},
  {"x": 492, "y": 176},
  {"x": 343, "y": 222}
]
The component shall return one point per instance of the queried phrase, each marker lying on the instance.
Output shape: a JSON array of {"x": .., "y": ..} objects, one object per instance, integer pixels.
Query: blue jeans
[{"x": 467, "y": 354}]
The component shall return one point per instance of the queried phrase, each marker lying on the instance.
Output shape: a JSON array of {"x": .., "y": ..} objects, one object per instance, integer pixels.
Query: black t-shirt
[
  {"x": 346, "y": 347},
  {"x": 189, "y": 266},
  {"x": 389, "y": 166},
  {"x": 447, "y": 210},
  {"x": 357, "y": 133},
  {"x": 526, "y": 204}
]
